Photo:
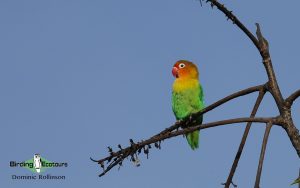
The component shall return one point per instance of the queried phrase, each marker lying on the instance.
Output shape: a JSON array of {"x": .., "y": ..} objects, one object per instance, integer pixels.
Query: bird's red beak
[{"x": 175, "y": 72}]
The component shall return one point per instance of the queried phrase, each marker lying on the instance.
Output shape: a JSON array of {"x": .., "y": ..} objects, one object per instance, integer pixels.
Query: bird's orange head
[{"x": 185, "y": 69}]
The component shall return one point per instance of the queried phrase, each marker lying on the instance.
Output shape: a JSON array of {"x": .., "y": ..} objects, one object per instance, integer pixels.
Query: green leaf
[{"x": 296, "y": 181}]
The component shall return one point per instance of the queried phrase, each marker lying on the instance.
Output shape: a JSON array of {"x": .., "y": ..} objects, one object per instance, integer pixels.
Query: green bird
[{"x": 187, "y": 96}]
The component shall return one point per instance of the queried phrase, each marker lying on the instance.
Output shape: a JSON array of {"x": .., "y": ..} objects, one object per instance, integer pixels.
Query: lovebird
[{"x": 187, "y": 96}]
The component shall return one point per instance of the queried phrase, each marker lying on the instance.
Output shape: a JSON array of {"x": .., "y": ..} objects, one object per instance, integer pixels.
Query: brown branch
[
  {"x": 274, "y": 121},
  {"x": 235, "y": 20},
  {"x": 290, "y": 100},
  {"x": 263, "y": 47},
  {"x": 230, "y": 97},
  {"x": 135, "y": 148},
  {"x": 291, "y": 129},
  {"x": 288, "y": 124},
  {"x": 244, "y": 138},
  {"x": 273, "y": 85},
  {"x": 262, "y": 154}
]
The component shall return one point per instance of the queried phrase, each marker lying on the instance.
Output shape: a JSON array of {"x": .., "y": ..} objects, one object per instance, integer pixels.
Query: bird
[{"x": 187, "y": 97}]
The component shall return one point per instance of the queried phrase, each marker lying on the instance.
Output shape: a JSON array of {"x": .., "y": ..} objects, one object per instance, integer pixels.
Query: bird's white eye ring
[{"x": 181, "y": 65}]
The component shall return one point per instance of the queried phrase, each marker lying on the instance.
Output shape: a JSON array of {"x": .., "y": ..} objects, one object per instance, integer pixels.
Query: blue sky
[{"x": 78, "y": 76}]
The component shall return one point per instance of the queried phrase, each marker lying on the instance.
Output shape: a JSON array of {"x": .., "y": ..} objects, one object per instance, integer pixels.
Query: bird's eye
[{"x": 181, "y": 65}]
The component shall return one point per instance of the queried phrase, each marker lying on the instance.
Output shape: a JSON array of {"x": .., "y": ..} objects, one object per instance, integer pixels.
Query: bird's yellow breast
[{"x": 181, "y": 84}]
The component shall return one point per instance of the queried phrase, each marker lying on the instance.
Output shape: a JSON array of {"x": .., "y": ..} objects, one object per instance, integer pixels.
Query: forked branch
[
  {"x": 284, "y": 106},
  {"x": 244, "y": 138},
  {"x": 284, "y": 118}
]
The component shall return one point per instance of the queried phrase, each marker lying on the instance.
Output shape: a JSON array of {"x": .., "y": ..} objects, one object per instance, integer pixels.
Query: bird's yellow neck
[{"x": 181, "y": 84}]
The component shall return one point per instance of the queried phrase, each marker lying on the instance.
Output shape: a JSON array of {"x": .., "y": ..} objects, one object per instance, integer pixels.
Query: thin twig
[
  {"x": 113, "y": 164},
  {"x": 293, "y": 97},
  {"x": 235, "y": 20},
  {"x": 230, "y": 97},
  {"x": 262, "y": 154},
  {"x": 262, "y": 46},
  {"x": 244, "y": 138}
]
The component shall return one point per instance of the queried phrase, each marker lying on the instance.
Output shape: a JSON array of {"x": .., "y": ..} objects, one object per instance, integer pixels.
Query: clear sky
[{"x": 78, "y": 76}]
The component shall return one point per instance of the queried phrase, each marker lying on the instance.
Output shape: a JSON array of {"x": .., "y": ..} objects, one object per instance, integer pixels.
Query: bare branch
[
  {"x": 262, "y": 154},
  {"x": 117, "y": 157},
  {"x": 244, "y": 138},
  {"x": 262, "y": 45},
  {"x": 291, "y": 130},
  {"x": 111, "y": 165},
  {"x": 292, "y": 98},
  {"x": 265, "y": 54},
  {"x": 230, "y": 97},
  {"x": 235, "y": 20},
  {"x": 263, "y": 48}
]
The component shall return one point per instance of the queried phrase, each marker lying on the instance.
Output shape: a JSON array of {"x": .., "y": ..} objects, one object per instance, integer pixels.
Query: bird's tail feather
[{"x": 193, "y": 139}]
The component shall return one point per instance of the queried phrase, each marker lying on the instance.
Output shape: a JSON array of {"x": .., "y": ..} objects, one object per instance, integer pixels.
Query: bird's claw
[
  {"x": 190, "y": 118},
  {"x": 178, "y": 122}
]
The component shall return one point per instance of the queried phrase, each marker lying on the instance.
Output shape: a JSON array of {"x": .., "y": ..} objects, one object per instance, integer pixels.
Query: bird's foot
[{"x": 178, "y": 122}]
